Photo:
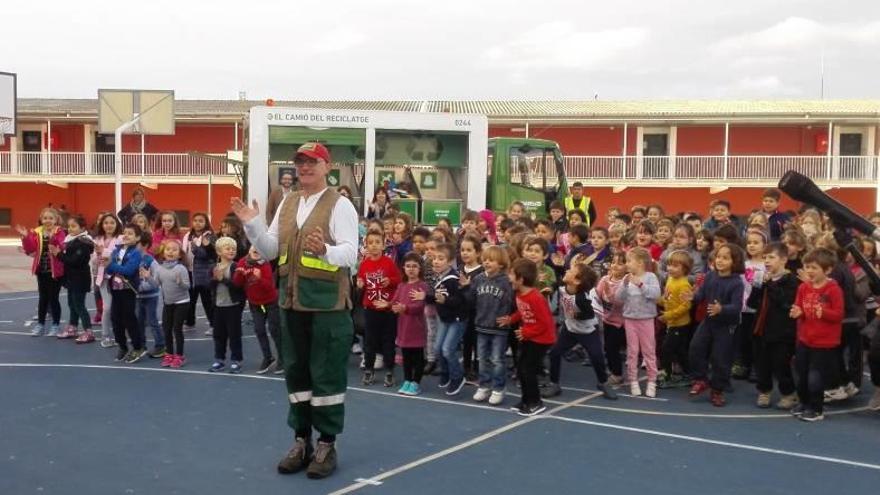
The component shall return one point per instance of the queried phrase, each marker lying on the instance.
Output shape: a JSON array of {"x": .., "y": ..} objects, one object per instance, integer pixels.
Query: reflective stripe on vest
[{"x": 312, "y": 261}]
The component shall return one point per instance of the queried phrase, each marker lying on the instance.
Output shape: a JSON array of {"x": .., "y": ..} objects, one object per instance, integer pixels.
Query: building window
[
  {"x": 5, "y": 217},
  {"x": 182, "y": 217}
]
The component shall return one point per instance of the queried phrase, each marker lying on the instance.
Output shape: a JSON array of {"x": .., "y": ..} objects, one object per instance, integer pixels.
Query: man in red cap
[{"x": 314, "y": 236}]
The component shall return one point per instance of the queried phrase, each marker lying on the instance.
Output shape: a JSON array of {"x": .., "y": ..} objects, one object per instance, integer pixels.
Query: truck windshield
[{"x": 535, "y": 168}]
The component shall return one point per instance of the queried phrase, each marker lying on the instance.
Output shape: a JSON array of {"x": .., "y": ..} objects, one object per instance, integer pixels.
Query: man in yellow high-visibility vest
[{"x": 577, "y": 201}]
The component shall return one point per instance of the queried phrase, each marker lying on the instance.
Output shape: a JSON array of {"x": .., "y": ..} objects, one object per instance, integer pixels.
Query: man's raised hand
[{"x": 244, "y": 212}]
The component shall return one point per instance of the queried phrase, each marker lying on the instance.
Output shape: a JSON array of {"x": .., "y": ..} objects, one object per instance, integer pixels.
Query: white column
[
  {"x": 13, "y": 155},
  {"x": 88, "y": 138},
  {"x": 673, "y": 151},
  {"x": 640, "y": 138},
  {"x": 527, "y": 129},
  {"x": 623, "y": 152},
  {"x": 726, "y": 149},
  {"x": 236, "y": 137},
  {"x": 369, "y": 168},
  {"x": 831, "y": 170},
  {"x": 46, "y": 130}
]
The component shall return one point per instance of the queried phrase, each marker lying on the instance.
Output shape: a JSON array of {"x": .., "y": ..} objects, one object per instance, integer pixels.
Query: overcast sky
[{"x": 445, "y": 49}]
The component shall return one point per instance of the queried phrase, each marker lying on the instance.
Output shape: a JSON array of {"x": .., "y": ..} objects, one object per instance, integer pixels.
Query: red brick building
[{"x": 681, "y": 154}]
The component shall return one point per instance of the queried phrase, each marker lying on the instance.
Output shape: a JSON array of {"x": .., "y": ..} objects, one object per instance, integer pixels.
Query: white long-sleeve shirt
[{"x": 343, "y": 230}]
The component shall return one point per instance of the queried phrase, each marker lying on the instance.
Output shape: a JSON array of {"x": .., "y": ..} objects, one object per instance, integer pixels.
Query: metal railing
[
  {"x": 838, "y": 169},
  {"x": 34, "y": 163}
]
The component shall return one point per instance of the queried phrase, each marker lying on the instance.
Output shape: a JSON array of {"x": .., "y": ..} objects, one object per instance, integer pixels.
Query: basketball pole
[{"x": 117, "y": 159}]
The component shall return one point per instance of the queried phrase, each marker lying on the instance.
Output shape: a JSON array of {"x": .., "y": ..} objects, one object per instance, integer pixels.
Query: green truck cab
[{"x": 527, "y": 170}]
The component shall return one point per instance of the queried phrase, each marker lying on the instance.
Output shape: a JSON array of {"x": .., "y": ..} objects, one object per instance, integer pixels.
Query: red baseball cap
[{"x": 314, "y": 150}]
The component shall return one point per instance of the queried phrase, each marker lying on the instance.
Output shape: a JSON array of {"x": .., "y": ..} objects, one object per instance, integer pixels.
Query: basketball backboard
[
  {"x": 7, "y": 103},
  {"x": 118, "y": 106}
]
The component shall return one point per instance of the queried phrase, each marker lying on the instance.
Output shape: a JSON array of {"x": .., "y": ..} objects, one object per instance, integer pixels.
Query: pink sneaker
[
  {"x": 86, "y": 337},
  {"x": 168, "y": 360},
  {"x": 179, "y": 361},
  {"x": 69, "y": 332}
]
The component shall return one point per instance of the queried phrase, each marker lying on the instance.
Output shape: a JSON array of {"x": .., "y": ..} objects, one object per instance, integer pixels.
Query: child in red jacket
[
  {"x": 254, "y": 274},
  {"x": 378, "y": 277},
  {"x": 818, "y": 309},
  {"x": 536, "y": 334}
]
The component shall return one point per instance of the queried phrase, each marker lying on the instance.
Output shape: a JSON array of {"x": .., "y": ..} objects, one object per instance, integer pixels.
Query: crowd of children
[{"x": 694, "y": 302}]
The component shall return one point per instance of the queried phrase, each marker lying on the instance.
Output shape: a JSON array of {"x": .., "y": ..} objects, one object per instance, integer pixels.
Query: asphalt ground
[{"x": 75, "y": 421}]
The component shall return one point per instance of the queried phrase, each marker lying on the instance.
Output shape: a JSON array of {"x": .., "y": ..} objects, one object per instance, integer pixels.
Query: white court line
[
  {"x": 194, "y": 339},
  {"x": 22, "y": 298},
  {"x": 362, "y": 483},
  {"x": 743, "y": 446},
  {"x": 718, "y": 416}
]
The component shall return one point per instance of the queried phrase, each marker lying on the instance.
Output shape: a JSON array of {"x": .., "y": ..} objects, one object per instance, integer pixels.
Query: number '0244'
[{"x": 461, "y": 123}]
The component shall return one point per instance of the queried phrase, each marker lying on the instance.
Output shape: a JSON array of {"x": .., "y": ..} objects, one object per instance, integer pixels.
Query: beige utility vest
[{"x": 312, "y": 284}]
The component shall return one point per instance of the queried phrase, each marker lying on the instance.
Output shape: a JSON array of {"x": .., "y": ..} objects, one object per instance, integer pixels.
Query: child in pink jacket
[
  {"x": 411, "y": 326},
  {"x": 48, "y": 268}
]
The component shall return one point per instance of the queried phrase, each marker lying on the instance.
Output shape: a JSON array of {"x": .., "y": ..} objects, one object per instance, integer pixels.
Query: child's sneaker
[
  {"x": 698, "y": 388},
  {"x": 874, "y": 403},
  {"x": 532, "y": 410},
  {"x": 179, "y": 361},
  {"x": 444, "y": 382},
  {"x": 835, "y": 394},
  {"x": 455, "y": 386},
  {"x": 279, "y": 368},
  {"x": 389, "y": 379},
  {"x": 235, "y": 367},
  {"x": 851, "y": 390},
  {"x": 368, "y": 378},
  {"x": 811, "y": 416},
  {"x": 209, "y": 332},
  {"x": 37, "y": 330},
  {"x": 496, "y": 398},
  {"x": 107, "y": 343},
  {"x": 217, "y": 366},
  {"x": 551, "y": 390},
  {"x": 404, "y": 389},
  {"x": 380, "y": 362},
  {"x": 615, "y": 380},
  {"x": 53, "y": 330},
  {"x": 136, "y": 355},
  {"x": 69, "y": 332},
  {"x": 266, "y": 365},
  {"x": 763, "y": 400},
  {"x": 798, "y": 410},
  {"x": 634, "y": 389},
  {"x": 167, "y": 360},
  {"x": 651, "y": 390},
  {"x": 158, "y": 352},
  {"x": 787, "y": 402},
  {"x": 607, "y": 391},
  {"x": 363, "y": 364},
  {"x": 414, "y": 389},
  {"x": 717, "y": 398},
  {"x": 86, "y": 337},
  {"x": 482, "y": 394},
  {"x": 122, "y": 355}
]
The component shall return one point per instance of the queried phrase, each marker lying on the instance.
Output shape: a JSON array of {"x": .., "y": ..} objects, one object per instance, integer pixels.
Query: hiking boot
[
  {"x": 717, "y": 398},
  {"x": 551, "y": 390},
  {"x": 86, "y": 337},
  {"x": 874, "y": 403},
  {"x": 297, "y": 457},
  {"x": 367, "y": 379},
  {"x": 158, "y": 352},
  {"x": 266, "y": 365},
  {"x": 811, "y": 416},
  {"x": 324, "y": 461},
  {"x": 698, "y": 388},
  {"x": 787, "y": 402},
  {"x": 389, "y": 379},
  {"x": 763, "y": 400}
]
